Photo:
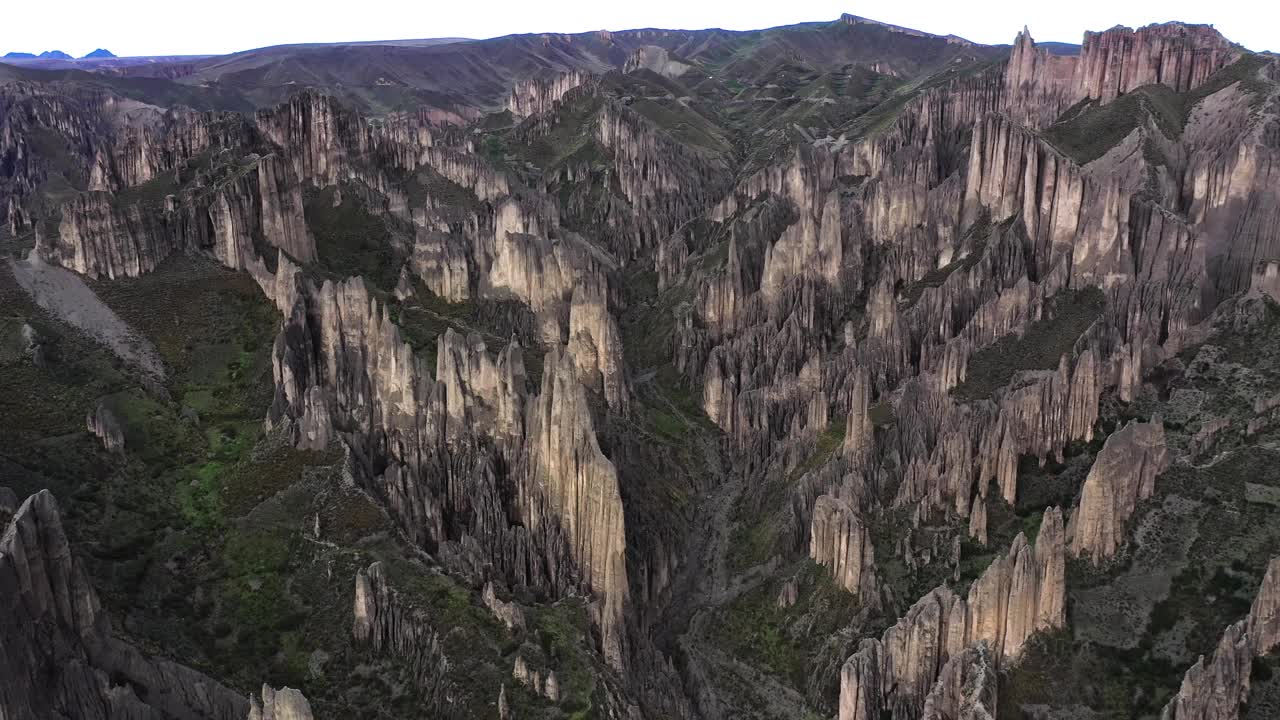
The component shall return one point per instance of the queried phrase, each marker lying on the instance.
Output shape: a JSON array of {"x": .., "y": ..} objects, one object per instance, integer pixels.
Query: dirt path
[{"x": 64, "y": 295}]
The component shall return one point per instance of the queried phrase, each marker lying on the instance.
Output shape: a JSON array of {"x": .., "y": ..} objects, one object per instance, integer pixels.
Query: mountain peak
[
  {"x": 55, "y": 55},
  {"x": 99, "y": 53}
]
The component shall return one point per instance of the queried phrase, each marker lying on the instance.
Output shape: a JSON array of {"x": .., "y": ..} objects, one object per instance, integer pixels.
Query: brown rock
[
  {"x": 1123, "y": 475},
  {"x": 1021, "y": 593},
  {"x": 840, "y": 542}
]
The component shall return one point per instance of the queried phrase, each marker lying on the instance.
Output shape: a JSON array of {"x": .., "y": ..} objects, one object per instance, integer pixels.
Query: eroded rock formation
[
  {"x": 388, "y": 625},
  {"x": 841, "y": 542},
  {"x": 536, "y": 95},
  {"x": 1214, "y": 689},
  {"x": 966, "y": 688},
  {"x": 573, "y": 485},
  {"x": 1123, "y": 475},
  {"x": 104, "y": 425},
  {"x": 283, "y": 704},
  {"x": 1042, "y": 85},
  {"x": 1021, "y": 593}
]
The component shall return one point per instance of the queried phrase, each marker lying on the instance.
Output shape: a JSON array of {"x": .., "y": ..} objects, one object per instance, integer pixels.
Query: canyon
[{"x": 836, "y": 369}]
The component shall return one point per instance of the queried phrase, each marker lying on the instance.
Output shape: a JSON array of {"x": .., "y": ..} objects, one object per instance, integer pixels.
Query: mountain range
[
  {"x": 98, "y": 54},
  {"x": 829, "y": 370}
]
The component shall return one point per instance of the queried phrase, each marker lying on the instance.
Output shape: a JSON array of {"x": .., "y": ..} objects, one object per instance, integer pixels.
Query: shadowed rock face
[
  {"x": 966, "y": 689},
  {"x": 221, "y": 214},
  {"x": 387, "y": 626},
  {"x": 104, "y": 424},
  {"x": 60, "y": 658}
]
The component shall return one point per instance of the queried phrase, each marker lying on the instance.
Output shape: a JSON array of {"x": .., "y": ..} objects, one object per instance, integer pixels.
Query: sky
[{"x": 166, "y": 27}]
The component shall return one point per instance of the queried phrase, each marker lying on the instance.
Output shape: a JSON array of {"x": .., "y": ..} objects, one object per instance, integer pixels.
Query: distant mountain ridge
[{"x": 98, "y": 54}]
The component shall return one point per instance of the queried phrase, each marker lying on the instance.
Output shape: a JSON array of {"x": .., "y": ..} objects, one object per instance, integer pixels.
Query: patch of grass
[
  {"x": 751, "y": 544},
  {"x": 561, "y": 629},
  {"x": 350, "y": 240},
  {"x": 881, "y": 414},
  {"x": 1068, "y": 315},
  {"x": 787, "y": 642},
  {"x": 547, "y": 141},
  {"x": 199, "y": 499},
  {"x": 1090, "y": 130},
  {"x": 682, "y": 123},
  {"x": 828, "y": 441}
]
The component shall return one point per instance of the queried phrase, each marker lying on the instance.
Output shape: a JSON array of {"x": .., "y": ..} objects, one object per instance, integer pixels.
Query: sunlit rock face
[
  {"x": 1123, "y": 475},
  {"x": 1022, "y": 592},
  {"x": 1041, "y": 85},
  {"x": 842, "y": 543},
  {"x": 890, "y": 294}
]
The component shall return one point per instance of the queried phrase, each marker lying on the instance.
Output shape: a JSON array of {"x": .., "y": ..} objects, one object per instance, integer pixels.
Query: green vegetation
[
  {"x": 425, "y": 186},
  {"x": 200, "y": 535},
  {"x": 571, "y": 133},
  {"x": 977, "y": 235},
  {"x": 791, "y": 643},
  {"x": 350, "y": 240},
  {"x": 1090, "y": 129},
  {"x": 828, "y": 441},
  {"x": 1067, "y": 316},
  {"x": 559, "y": 629},
  {"x": 682, "y": 123}
]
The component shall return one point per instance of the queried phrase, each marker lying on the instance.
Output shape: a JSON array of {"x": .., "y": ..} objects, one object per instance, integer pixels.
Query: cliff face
[
  {"x": 910, "y": 263},
  {"x": 1124, "y": 474},
  {"x": 538, "y": 95},
  {"x": 574, "y": 485},
  {"x": 224, "y": 210},
  {"x": 1021, "y": 593},
  {"x": 1215, "y": 689},
  {"x": 1041, "y": 85},
  {"x": 340, "y": 363},
  {"x": 665, "y": 183},
  {"x": 840, "y": 541},
  {"x": 58, "y": 654},
  {"x": 595, "y": 344},
  {"x": 966, "y": 688}
]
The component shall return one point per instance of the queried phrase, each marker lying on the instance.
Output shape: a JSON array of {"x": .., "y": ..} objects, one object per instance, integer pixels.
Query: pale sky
[{"x": 165, "y": 27}]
